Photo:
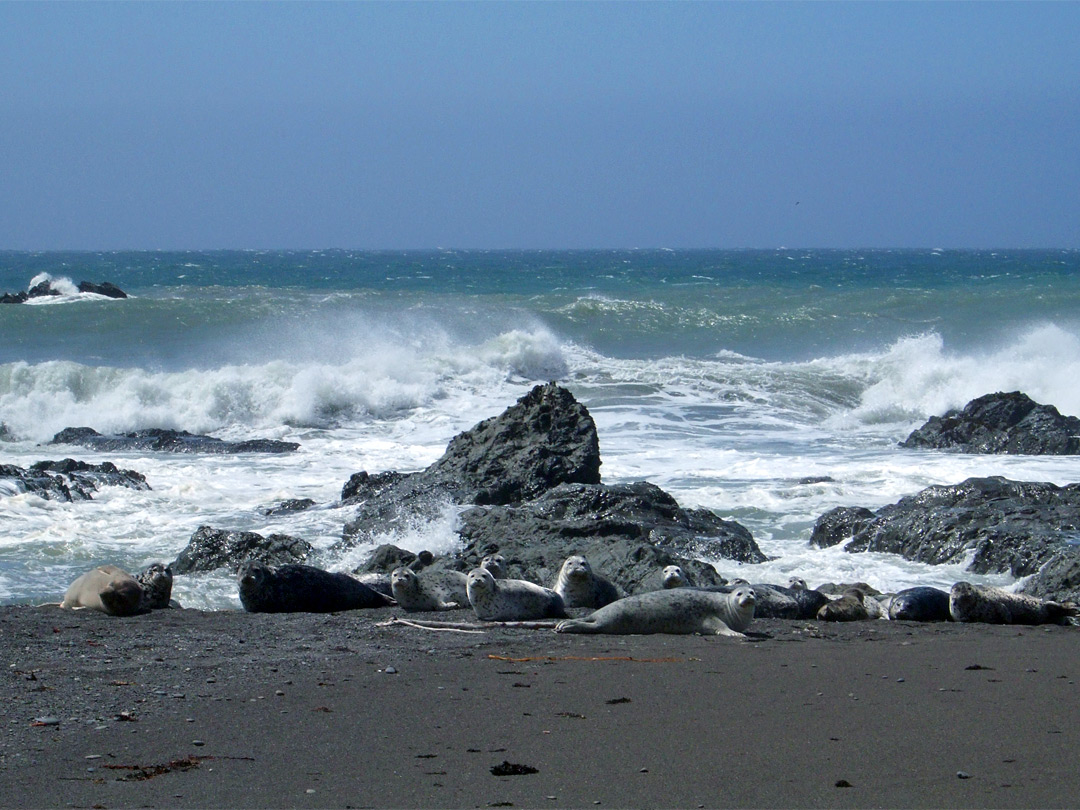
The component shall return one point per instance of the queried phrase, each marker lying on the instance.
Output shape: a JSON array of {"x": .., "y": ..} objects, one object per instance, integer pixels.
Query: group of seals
[{"x": 114, "y": 591}]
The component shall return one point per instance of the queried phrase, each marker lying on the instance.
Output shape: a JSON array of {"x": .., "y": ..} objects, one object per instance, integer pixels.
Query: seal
[
  {"x": 511, "y": 600},
  {"x": 581, "y": 587},
  {"x": 298, "y": 588},
  {"x": 920, "y": 604},
  {"x": 432, "y": 590},
  {"x": 106, "y": 588},
  {"x": 983, "y": 603},
  {"x": 156, "y": 582},
  {"x": 496, "y": 564},
  {"x": 676, "y": 611},
  {"x": 674, "y": 577},
  {"x": 855, "y": 605},
  {"x": 377, "y": 581},
  {"x": 774, "y": 602}
]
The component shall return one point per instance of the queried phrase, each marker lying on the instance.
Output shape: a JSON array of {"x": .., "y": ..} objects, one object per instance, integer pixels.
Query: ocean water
[{"x": 729, "y": 378}]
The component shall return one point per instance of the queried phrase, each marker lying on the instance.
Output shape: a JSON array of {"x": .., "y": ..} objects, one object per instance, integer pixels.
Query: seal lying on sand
[
  {"x": 156, "y": 582},
  {"x": 854, "y": 606},
  {"x": 580, "y": 586},
  {"x": 303, "y": 589},
  {"x": 439, "y": 590},
  {"x": 920, "y": 604},
  {"x": 511, "y": 600},
  {"x": 106, "y": 588},
  {"x": 677, "y": 611},
  {"x": 982, "y": 603}
]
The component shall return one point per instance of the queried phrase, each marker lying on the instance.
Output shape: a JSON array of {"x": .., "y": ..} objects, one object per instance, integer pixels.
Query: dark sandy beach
[{"x": 185, "y": 708}]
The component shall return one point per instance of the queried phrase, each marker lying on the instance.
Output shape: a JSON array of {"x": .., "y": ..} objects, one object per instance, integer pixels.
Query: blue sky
[{"x": 539, "y": 125}]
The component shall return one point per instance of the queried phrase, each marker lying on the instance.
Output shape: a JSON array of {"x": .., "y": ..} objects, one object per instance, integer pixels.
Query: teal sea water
[{"x": 727, "y": 377}]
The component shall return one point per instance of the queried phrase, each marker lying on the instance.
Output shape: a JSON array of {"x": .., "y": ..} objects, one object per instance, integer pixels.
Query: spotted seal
[
  {"x": 508, "y": 600},
  {"x": 298, "y": 588},
  {"x": 496, "y": 564},
  {"x": 920, "y": 604},
  {"x": 676, "y": 611},
  {"x": 855, "y": 605},
  {"x": 431, "y": 590},
  {"x": 157, "y": 583},
  {"x": 674, "y": 577},
  {"x": 983, "y": 603},
  {"x": 581, "y": 587},
  {"x": 106, "y": 588}
]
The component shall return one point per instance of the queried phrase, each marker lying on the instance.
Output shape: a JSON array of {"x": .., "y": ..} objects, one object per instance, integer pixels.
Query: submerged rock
[
  {"x": 164, "y": 440},
  {"x": 994, "y": 524},
  {"x": 69, "y": 480},
  {"x": 1010, "y": 423}
]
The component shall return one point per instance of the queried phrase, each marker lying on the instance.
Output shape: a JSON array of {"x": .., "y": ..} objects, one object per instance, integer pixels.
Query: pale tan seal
[
  {"x": 676, "y": 611},
  {"x": 430, "y": 590},
  {"x": 106, "y": 588},
  {"x": 983, "y": 603},
  {"x": 511, "y": 600},
  {"x": 581, "y": 587}
]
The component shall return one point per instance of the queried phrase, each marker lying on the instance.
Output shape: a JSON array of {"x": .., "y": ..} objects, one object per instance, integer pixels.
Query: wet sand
[{"x": 186, "y": 708}]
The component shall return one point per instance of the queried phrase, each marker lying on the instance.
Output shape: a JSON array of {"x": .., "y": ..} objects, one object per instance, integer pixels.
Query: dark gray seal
[
  {"x": 920, "y": 604},
  {"x": 511, "y": 600},
  {"x": 496, "y": 564},
  {"x": 157, "y": 583},
  {"x": 303, "y": 589},
  {"x": 106, "y": 588},
  {"x": 581, "y": 587},
  {"x": 983, "y": 603},
  {"x": 854, "y": 606},
  {"x": 678, "y": 611}
]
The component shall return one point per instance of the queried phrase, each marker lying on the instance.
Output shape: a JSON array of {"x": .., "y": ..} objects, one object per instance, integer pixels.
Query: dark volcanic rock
[
  {"x": 92, "y": 476},
  {"x": 1001, "y": 423},
  {"x": 69, "y": 480},
  {"x": 173, "y": 441},
  {"x": 1002, "y": 525},
  {"x": 105, "y": 288},
  {"x": 626, "y": 532},
  {"x": 14, "y": 298},
  {"x": 545, "y": 439},
  {"x": 49, "y": 487},
  {"x": 210, "y": 549},
  {"x": 1059, "y": 577},
  {"x": 289, "y": 507},
  {"x": 42, "y": 289}
]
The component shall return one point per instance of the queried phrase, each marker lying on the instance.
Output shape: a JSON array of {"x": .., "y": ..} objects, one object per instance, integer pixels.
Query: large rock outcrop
[
  {"x": 1002, "y": 525},
  {"x": 627, "y": 532},
  {"x": 531, "y": 477},
  {"x": 1000, "y": 423},
  {"x": 164, "y": 440},
  {"x": 547, "y": 438}
]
